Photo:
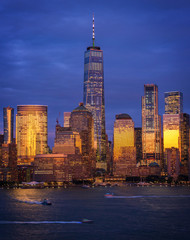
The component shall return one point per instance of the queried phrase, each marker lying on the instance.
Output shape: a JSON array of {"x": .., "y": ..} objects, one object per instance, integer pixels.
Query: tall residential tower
[{"x": 93, "y": 97}]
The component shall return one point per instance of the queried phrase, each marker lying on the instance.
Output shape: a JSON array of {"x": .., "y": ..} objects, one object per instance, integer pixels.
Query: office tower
[
  {"x": 184, "y": 130},
  {"x": 8, "y": 118},
  {"x": 66, "y": 141},
  {"x": 138, "y": 144},
  {"x": 8, "y": 162},
  {"x": 31, "y": 132},
  {"x": 173, "y": 102},
  {"x": 67, "y": 119},
  {"x": 172, "y": 156},
  {"x": 124, "y": 152},
  {"x": 171, "y": 130},
  {"x": 151, "y": 126},
  {"x": 82, "y": 122},
  {"x": 93, "y": 97},
  {"x": 176, "y": 126}
]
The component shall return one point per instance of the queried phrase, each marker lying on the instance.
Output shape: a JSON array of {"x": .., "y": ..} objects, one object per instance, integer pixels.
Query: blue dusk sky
[{"x": 42, "y": 44}]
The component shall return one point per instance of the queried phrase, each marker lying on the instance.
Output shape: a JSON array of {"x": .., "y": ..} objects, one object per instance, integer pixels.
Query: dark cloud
[{"x": 42, "y": 46}]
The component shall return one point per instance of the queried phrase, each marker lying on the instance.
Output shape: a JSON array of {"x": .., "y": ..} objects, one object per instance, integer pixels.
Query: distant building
[
  {"x": 1, "y": 139},
  {"x": 151, "y": 126},
  {"x": 185, "y": 139},
  {"x": 8, "y": 162},
  {"x": 173, "y": 162},
  {"x": 138, "y": 144},
  {"x": 124, "y": 152},
  {"x": 31, "y": 132},
  {"x": 67, "y": 119},
  {"x": 81, "y": 121},
  {"x": 66, "y": 141},
  {"x": 171, "y": 130},
  {"x": 59, "y": 168},
  {"x": 8, "y": 119},
  {"x": 173, "y": 102},
  {"x": 93, "y": 97}
]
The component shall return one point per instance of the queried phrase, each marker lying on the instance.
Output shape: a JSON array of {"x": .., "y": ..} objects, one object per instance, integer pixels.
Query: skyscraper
[
  {"x": 173, "y": 102},
  {"x": 124, "y": 152},
  {"x": 82, "y": 122},
  {"x": 172, "y": 121},
  {"x": 151, "y": 125},
  {"x": 8, "y": 117},
  {"x": 93, "y": 96},
  {"x": 138, "y": 144},
  {"x": 31, "y": 132},
  {"x": 185, "y": 125}
]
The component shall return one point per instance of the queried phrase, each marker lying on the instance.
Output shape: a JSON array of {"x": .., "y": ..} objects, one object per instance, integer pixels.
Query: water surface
[{"x": 138, "y": 213}]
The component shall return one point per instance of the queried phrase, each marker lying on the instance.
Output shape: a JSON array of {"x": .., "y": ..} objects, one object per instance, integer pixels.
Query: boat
[
  {"x": 85, "y": 220},
  {"x": 109, "y": 195},
  {"x": 46, "y": 202},
  {"x": 85, "y": 186}
]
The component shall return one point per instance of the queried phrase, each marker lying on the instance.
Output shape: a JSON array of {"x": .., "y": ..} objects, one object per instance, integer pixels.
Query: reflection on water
[{"x": 137, "y": 213}]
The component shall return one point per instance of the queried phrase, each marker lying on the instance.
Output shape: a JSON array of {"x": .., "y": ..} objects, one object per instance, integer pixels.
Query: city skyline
[{"x": 144, "y": 43}]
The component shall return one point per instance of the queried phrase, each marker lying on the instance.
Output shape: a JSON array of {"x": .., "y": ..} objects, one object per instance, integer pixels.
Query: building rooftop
[
  {"x": 123, "y": 116},
  {"x": 153, "y": 164},
  {"x": 81, "y": 108}
]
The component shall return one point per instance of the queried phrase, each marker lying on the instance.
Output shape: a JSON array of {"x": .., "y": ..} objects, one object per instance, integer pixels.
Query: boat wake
[
  {"x": 40, "y": 222},
  {"x": 26, "y": 200},
  {"x": 151, "y": 196}
]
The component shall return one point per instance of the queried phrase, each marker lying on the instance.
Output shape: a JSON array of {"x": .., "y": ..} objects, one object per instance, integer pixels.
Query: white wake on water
[
  {"x": 150, "y": 196},
  {"x": 40, "y": 222}
]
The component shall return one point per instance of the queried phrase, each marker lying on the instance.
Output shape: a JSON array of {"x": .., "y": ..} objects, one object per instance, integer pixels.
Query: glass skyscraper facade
[
  {"x": 151, "y": 126},
  {"x": 8, "y": 119},
  {"x": 31, "y": 132},
  {"x": 93, "y": 97},
  {"x": 173, "y": 102},
  {"x": 175, "y": 125},
  {"x": 124, "y": 152}
]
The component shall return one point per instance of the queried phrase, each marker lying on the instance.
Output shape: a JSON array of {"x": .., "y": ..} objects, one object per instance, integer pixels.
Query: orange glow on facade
[
  {"x": 31, "y": 132},
  {"x": 171, "y": 130}
]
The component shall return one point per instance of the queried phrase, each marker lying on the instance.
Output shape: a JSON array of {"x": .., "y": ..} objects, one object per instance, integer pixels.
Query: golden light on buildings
[
  {"x": 123, "y": 135},
  {"x": 31, "y": 132}
]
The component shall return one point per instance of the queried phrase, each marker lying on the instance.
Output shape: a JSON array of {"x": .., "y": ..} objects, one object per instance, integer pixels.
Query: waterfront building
[
  {"x": 171, "y": 130},
  {"x": 173, "y": 162},
  {"x": 60, "y": 168},
  {"x": 173, "y": 102},
  {"x": 176, "y": 127},
  {"x": 8, "y": 119},
  {"x": 93, "y": 97},
  {"x": 138, "y": 144},
  {"x": 81, "y": 121},
  {"x": 151, "y": 126},
  {"x": 124, "y": 152},
  {"x": 172, "y": 119},
  {"x": 8, "y": 162},
  {"x": 31, "y": 132},
  {"x": 185, "y": 125},
  {"x": 67, "y": 119},
  {"x": 66, "y": 141}
]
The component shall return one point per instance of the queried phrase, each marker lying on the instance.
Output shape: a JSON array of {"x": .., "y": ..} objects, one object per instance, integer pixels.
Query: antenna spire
[{"x": 93, "y": 31}]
